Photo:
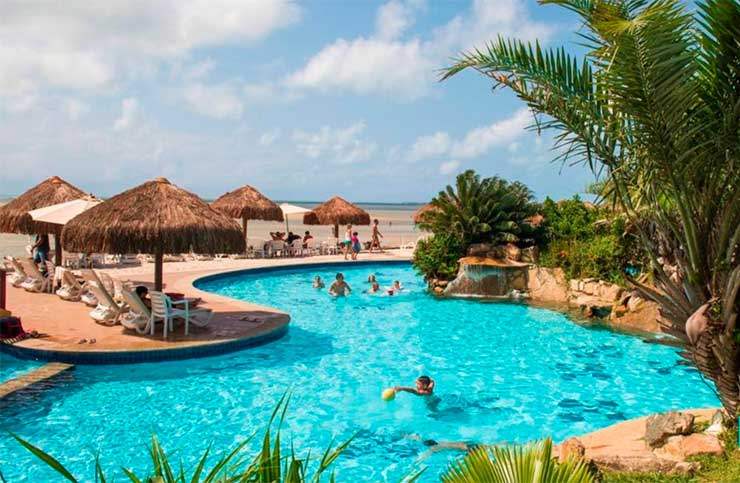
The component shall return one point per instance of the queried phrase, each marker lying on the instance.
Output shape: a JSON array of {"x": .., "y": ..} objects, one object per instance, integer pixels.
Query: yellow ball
[{"x": 389, "y": 394}]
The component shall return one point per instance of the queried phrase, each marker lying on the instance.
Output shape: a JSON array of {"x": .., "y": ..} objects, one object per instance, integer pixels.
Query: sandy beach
[{"x": 396, "y": 224}]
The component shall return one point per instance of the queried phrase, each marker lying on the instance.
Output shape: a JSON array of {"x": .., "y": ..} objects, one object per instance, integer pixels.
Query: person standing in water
[{"x": 339, "y": 288}]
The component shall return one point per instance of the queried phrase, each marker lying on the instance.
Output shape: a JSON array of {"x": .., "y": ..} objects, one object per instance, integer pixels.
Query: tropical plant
[
  {"x": 269, "y": 465},
  {"x": 474, "y": 210},
  {"x": 437, "y": 257},
  {"x": 531, "y": 463},
  {"x": 655, "y": 107}
]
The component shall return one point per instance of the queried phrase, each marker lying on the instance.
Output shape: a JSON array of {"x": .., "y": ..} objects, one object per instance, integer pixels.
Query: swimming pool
[
  {"x": 504, "y": 372},
  {"x": 10, "y": 367}
]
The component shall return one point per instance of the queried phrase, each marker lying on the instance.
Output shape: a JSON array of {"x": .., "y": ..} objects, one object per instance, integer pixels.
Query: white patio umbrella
[
  {"x": 289, "y": 209},
  {"x": 61, "y": 213}
]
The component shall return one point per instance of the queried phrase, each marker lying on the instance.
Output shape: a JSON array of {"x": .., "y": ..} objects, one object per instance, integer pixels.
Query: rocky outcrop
[
  {"x": 659, "y": 427},
  {"x": 547, "y": 285},
  {"x": 634, "y": 313},
  {"x": 624, "y": 447},
  {"x": 487, "y": 277}
]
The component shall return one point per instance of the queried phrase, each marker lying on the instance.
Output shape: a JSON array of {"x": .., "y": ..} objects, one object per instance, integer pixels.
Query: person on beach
[
  {"x": 317, "y": 282},
  {"x": 376, "y": 236},
  {"x": 40, "y": 250},
  {"x": 307, "y": 237},
  {"x": 424, "y": 387},
  {"x": 356, "y": 245},
  {"x": 374, "y": 288},
  {"x": 347, "y": 240},
  {"x": 339, "y": 288}
]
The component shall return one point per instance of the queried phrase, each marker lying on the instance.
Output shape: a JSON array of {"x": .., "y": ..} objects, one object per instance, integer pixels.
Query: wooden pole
[
  {"x": 158, "y": 262},
  {"x": 336, "y": 230},
  {"x": 244, "y": 233},
  {"x": 58, "y": 248}
]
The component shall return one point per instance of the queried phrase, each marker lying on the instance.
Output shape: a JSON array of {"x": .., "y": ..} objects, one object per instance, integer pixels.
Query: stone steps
[{"x": 30, "y": 378}]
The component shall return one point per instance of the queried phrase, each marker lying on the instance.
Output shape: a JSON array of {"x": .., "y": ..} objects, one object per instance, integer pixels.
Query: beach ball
[{"x": 389, "y": 394}]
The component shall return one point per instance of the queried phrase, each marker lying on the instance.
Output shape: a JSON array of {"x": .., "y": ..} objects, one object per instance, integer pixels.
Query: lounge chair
[
  {"x": 36, "y": 281},
  {"x": 107, "y": 311},
  {"x": 163, "y": 308},
  {"x": 19, "y": 275},
  {"x": 89, "y": 276},
  {"x": 71, "y": 289},
  {"x": 138, "y": 316}
]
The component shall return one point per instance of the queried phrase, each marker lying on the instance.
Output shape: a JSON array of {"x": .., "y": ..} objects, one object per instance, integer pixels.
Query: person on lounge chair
[{"x": 143, "y": 293}]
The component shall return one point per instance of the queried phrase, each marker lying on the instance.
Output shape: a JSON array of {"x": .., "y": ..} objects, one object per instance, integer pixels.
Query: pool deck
[{"x": 235, "y": 324}]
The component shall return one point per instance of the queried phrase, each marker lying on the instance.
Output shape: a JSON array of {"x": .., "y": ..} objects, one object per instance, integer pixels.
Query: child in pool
[
  {"x": 317, "y": 282},
  {"x": 424, "y": 387},
  {"x": 339, "y": 288},
  {"x": 374, "y": 288},
  {"x": 371, "y": 278}
]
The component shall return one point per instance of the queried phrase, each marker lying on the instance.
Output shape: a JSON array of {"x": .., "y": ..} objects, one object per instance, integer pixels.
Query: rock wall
[
  {"x": 547, "y": 284},
  {"x": 486, "y": 277}
]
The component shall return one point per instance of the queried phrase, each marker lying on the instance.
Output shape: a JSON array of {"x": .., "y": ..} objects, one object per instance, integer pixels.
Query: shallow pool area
[
  {"x": 504, "y": 373},
  {"x": 10, "y": 367}
]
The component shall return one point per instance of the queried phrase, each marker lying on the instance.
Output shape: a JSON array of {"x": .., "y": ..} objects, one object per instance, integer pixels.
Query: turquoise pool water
[
  {"x": 504, "y": 372},
  {"x": 10, "y": 367}
]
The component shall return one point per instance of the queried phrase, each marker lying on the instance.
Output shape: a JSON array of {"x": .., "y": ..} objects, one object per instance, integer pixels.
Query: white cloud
[
  {"x": 363, "y": 66},
  {"x": 75, "y": 108},
  {"x": 449, "y": 167},
  {"x": 129, "y": 106},
  {"x": 426, "y": 147},
  {"x": 340, "y": 145},
  {"x": 216, "y": 101},
  {"x": 267, "y": 92},
  {"x": 269, "y": 137},
  {"x": 80, "y": 44},
  {"x": 481, "y": 140},
  {"x": 393, "y": 19},
  {"x": 384, "y": 63}
]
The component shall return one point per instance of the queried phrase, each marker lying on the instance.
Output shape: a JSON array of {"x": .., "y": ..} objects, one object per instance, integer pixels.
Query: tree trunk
[
  {"x": 58, "y": 248},
  {"x": 244, "y": 234},
  {"x": 158, "y": 262},
  {"x": 717, "y": 356}
]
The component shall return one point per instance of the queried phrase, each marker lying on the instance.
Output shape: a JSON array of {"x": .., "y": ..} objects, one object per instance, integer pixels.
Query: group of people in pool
[{"x": 340, "y": 288}]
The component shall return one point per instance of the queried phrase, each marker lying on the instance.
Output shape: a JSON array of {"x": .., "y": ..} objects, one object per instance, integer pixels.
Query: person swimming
[
  {"x": 339, "y": 288},
  {"x": 371, "y": 278},
  {"x": 374, "y": 288},
  {"x": 317, "y": 282},
  {"x": 424, "y": 387}
]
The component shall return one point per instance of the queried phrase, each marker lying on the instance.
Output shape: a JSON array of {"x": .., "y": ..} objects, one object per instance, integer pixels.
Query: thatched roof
[
  {"x": 14, "y": 217},
  {"x": 419, "y": 214},
  {"x": 156, "y": 214},
  {"x": 247, "y": 202},
  {"x": 337, "y": 211}
]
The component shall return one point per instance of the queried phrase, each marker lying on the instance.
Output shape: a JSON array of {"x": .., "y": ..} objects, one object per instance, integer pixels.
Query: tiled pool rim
[{"x": 181, "y": 353}]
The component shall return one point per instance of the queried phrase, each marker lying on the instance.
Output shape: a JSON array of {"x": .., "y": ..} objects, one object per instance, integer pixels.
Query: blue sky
[{"x": 303, "y": 100}]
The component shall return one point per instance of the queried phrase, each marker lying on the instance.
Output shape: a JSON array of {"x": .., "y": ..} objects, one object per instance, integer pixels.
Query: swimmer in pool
[
  {"x": 339, "y": 288},
  {"x": 374, "y": 288},
  {"x": 371, "y": 278},
  {"x": 317, "y": 282},
  {"x": 397, "y": 286},
  {"x": 424, "y": 387}
]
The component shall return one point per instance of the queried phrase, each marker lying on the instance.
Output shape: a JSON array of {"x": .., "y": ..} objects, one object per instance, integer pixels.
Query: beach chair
[
  {"x": 163, "y": 308},
  {"x": 296, "y": 248},
  {"x": 36, "y": 281},
  {"x": 107, "y": 311},
  {"x": 19, "y": 275},
  {"x": 276, "y": 248},
  {"x": 138, "y": 317},
  {"x": 71, "y": 289},
  {"x": 89, "y": 276},
  {"x": 311, "y": 247}
]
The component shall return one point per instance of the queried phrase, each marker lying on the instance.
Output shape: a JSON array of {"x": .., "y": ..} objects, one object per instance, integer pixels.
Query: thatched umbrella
[
  {"x": 156, "y": 217},
  {"x": 246, "y": 203},
  {"x": 337, "y": 211},
  {"x": 419, "y": 214},
  {"x": 14, "y": 217}
]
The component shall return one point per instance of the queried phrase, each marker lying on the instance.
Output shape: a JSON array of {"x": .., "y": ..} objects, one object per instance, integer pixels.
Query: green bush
[
  {"x": 587, "y": 242},
  {"x": 437, "y": 257}
]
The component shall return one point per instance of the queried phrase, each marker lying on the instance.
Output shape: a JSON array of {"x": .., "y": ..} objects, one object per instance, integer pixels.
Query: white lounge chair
[
  {"x": 163, "y": 308},
  {"x": 36, "y": 281},
  {"x": 19, "y": 275},
  {"x": 296, "y": 248},
  {"x": 107, "y": 311},
  {"x": 276, "y": 248},
  {"x": 71, "y": 289},
  {"x": 89, "y": 276},
  {"x": 138, "y": 316}
]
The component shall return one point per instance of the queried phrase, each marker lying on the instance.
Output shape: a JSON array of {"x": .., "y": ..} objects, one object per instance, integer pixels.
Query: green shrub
[{"x": 437, "y": 257}]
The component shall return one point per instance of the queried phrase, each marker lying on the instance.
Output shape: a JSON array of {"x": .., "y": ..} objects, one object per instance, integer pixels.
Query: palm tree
[
  {"x": 655, "y": 105},
  {"x": 480, "y": 210},
  {"x": 530, "y": 463}
]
